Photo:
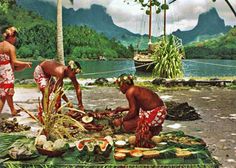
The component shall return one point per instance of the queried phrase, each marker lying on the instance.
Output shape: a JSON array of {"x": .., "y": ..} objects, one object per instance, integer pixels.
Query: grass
[{"x": 140, "y": 81}]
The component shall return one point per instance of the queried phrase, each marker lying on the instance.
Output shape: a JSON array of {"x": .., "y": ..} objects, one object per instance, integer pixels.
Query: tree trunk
[{"x": 60, "y": 48}]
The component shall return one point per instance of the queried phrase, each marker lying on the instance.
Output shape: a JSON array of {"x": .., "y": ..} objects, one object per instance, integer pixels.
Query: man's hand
[
  {"x": 70, "y": 105},
  {"x": 117, "y": 122},
  {"x": 81, "y": 107},
  {"x": 118, "y": 110}
]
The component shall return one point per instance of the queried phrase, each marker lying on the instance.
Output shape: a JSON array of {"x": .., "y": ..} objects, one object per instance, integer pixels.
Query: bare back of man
[
  {"x": 140, "y": 98},
  {"x": 144, "y": 98},
  {"x": 53, "y": 68}
]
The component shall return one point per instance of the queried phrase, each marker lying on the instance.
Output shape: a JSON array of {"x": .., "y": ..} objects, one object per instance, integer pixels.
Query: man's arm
[
  {"x": 58, "y": 84},
  {"x": 133, "y": 109},
  {"x": 121, "y": 109},
  {"x": 78, "y": 92}
]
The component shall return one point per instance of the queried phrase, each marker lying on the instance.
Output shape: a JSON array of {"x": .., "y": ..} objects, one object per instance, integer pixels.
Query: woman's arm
[
  {"x": 20, "y": 68},
  {"x": 17, "y": 63}
]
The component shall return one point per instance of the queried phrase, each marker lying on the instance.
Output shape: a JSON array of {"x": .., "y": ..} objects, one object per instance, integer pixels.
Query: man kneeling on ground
[
  {"x": 142, "y": 103},
  {"x": 45, "y": 71}
]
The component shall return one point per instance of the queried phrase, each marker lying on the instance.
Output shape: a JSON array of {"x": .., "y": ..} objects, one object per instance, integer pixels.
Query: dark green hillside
[
  {"x": 37, "y": 38},
  {"x": 223, "y": 47}
]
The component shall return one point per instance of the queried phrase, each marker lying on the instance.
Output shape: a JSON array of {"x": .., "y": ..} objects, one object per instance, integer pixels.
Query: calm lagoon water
[{"x": 192, "y": 67}]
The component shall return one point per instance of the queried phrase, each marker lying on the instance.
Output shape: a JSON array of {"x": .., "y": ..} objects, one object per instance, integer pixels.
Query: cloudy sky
[{"x": 183, "y": 14}]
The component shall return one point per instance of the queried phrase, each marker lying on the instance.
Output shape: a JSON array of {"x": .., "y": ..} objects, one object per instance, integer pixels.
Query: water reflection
[{"x": 196, "y": 67}]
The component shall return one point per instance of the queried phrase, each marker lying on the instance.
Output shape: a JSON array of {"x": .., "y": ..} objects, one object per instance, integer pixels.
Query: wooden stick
[{"x": 28, "y": 112}]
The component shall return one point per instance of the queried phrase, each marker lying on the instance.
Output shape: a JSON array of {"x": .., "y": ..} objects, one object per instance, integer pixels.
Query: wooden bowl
[
  {"x": 119, "y": 156},
  {"x": 122, "y": 150},
  {"x": 151, "y": 154},
  {"x": 50, "y": 153},
  {"x": 136, "y": 153}
]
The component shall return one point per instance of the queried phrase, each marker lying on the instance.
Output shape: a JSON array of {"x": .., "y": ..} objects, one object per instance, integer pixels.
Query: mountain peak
[{"x": 209, "y": 23}]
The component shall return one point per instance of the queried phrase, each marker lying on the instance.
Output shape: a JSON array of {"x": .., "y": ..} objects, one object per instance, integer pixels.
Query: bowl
[
  {"x": 50, "y": 153},
  {"x": 119, "y": 156},
  {"x": 136, "y": 153},
  {"x": 120, "y": 143},
  {"x": 122, "y": 150},
  {"x": 151, "y": 154}
]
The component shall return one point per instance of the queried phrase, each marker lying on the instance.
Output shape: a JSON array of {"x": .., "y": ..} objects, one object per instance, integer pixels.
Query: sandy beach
[{"x": 215, "y": 105}]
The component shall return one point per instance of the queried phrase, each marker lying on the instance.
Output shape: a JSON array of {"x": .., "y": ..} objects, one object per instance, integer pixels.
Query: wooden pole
[
  {"x": 164, "y": 19},
  {"x": 150, "y": 22},
  {"x": 150, "y": 27}
]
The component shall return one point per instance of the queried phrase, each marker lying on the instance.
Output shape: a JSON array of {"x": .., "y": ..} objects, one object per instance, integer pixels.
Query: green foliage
[
  {"x": 154, "y": 3},
  {"x": 37, "y": 38},
  {"x": 223, "y": 47},
  {"x": 168, "y": 56}
]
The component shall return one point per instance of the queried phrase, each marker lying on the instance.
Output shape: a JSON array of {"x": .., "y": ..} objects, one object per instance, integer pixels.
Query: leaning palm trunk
[{"x": 60, "y": 47}]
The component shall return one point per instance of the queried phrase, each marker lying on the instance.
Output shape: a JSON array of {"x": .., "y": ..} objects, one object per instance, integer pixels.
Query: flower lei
[
  {"x": 9, "y": 32},
  {"x": 124, "y": 79}
]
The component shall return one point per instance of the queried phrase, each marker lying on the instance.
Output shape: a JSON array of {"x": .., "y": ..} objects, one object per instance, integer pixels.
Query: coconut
[
  {"x": 87, "y": 119},
  {"x": 132, "y": 140},
  {"x": 59, "y": 144},
  {"x": 157, "y": 139},
  {"x": 40, "y": 140},
  {"x": 48, "y": 145}
]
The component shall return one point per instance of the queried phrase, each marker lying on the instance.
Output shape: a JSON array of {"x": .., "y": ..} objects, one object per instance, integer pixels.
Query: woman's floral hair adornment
[
  {"x": 11, "y": 31},
  {"x": 125, "y": 78}
]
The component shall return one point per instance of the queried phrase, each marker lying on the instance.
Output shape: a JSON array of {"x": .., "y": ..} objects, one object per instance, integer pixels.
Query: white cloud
[{"x": 183, "y": 14}]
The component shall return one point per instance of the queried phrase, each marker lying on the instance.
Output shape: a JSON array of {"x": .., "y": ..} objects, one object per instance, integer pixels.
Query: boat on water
[{"x": 142, "y": 60}]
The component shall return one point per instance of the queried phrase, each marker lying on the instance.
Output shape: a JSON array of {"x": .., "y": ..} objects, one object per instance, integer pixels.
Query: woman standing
[{"x": 9, "y": 63}]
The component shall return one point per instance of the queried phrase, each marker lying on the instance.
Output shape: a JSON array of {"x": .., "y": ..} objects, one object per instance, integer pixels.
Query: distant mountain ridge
[
  {"x": 209, "y": 24},
  {"x": 95, "y": 17}
]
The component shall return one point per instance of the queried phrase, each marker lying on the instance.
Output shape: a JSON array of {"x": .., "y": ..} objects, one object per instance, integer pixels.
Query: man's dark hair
[
  {"x": 74, "y": 65},
  {"x": 78, "y": 65}
]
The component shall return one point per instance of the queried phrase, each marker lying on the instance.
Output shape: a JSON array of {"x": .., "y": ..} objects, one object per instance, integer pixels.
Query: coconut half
[
  {"x": 119, "y": 156},
  {"x": 87, "y": 119},
  {"x": 151, "y": 154},
  {"x": 120, "y": 143},
  {"x": 136, "y": 153}
]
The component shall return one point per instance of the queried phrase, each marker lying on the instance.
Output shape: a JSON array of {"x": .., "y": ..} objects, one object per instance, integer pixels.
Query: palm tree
[{"x": 60, "y": 47}]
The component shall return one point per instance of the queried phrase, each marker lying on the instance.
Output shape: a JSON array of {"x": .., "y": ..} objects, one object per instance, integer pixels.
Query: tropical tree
[{"x": 60, "y": 47}]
